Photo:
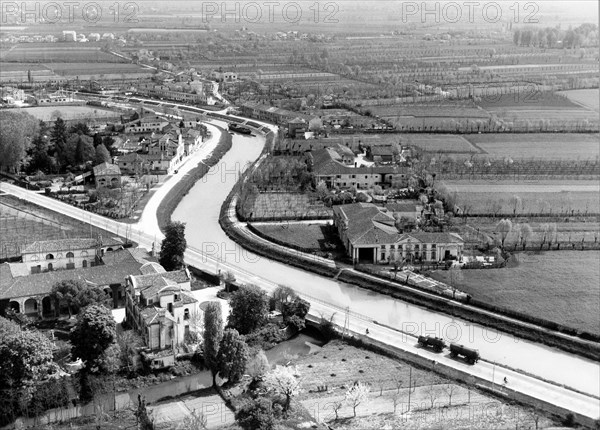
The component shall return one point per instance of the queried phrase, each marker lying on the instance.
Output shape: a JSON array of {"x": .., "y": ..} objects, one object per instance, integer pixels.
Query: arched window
[
  {"x": 50, "y": 267},
  {"x": 186, "y": 314},
  {"x": 70, "y": 255},
  {"x": 84, "y": 263},
  {"x": 49, "y": 257}
]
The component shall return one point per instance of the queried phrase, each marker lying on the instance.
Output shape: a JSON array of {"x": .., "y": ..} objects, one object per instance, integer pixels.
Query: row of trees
[
  {"x": 36, "y": 146},
  {"x": 584, "y": 35}
]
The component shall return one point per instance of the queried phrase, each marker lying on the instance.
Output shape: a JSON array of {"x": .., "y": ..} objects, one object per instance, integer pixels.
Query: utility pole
[{"x": 409, "y": 386}]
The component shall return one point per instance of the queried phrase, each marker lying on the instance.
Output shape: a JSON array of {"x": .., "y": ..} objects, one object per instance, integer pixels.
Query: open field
[
  {"x": 440, "y": 143},
  {"x": 313, "y": 237},
  {"x": 44, "y": 113},
  {"x": 548, "y": 197},
  {"x": 52, "y": 53},
  {"x": 560, "y": 286},
  {"x": 588, "y": 98},
  {"x": 542, "y": 146},
  {"x": 97, "y": 69},
  {"x": 338, "y": 365},
  {"x": 528, "y": 97},
  {"x": 559, "y": 203}
]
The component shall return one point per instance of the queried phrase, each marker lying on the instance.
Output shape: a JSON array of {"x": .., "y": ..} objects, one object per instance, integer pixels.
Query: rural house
[
  {"x": 107, "y": 175},
  {"x": 328, "y": 166},
  {"x": 369, "y": 235},
  {"x": 28, "y": 292}
]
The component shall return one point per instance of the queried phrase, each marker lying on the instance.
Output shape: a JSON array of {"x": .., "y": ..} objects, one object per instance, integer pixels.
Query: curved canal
[{"x": 200, "y": 211}]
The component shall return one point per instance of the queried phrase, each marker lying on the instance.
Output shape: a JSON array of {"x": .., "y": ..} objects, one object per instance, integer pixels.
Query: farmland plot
[
  {"x": 441, "y": 143},
  {"x": 59, "y": 54},
  {"x": 588, "y": 98},
  {"x": 279, "y": 205},
  {"x": 45, "y": 113},
  {"x": 559, "y": 286},
  {"x": 543, "y": 146}
]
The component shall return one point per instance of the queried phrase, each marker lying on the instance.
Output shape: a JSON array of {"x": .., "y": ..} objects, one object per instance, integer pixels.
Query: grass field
[
  {"x": 44, "y": 113},
  {"x": 588, "y": 98},
  {"x": 571, "y": 146},
  {"x": 75, "y": 68},
  {"x": 560, "y": 286},
  {"x": 309, "y": 236},
  {"x": 526, "y": 98}
]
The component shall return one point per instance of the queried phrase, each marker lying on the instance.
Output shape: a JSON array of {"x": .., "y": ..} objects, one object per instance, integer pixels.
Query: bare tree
[
  {"x": 516, "y": 204},
  {"x": 432, "y": 394},
  {"x": 450, "y": 389},
  {"x": 337, "y": 406},
  {"x": 396, "y": 398},
  {"x": 397, "y": 382}
]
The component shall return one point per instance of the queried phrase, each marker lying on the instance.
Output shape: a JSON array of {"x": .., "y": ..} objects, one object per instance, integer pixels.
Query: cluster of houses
[
  {"x": 67, "y": 36},
  {"x": 158, "y": 304},
  {"x": 162, "y": 145}
]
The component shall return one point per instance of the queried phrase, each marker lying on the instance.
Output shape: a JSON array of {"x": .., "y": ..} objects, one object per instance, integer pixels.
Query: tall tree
[
  {"x": 233, "y": 356},
  {"x": 84, "y": 149},
  {"x": 39, "y": 157},
  {"x": 102, "y": 155},
  {"x": 93, "y": 333},
  {"x": 173, "y": 246},
  {"x": 249, "y": 309},
  {"x": 25, "y": 355},
  {"x": 65, "y": 293},
  {"x": 213, "y": 333},
  {"x": 256, "y": 414},
  {"x": 59, "y": 136},
  {"x": 16, "y": 132}
]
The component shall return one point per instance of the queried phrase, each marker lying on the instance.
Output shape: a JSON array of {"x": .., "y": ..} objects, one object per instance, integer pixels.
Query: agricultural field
[
  {"x": 528, "y": 97},
  {"x": 22, "y": 222},
  {"x": 96, "y": 69},
  {"x": 436, "y": 402},
  {"x": 589, "y": 98},
  {"x": 46, "y": 113},
  {"x": 278, "y": 205},
  {"x": 441, "y": 143},
  {"x": 559, "y": 286},
  {"x": 427, "y": 111},
  {"x": 489, "y": 200},
  {"x": 540, "y": 146},
  {"x": 52, "y": 53}
]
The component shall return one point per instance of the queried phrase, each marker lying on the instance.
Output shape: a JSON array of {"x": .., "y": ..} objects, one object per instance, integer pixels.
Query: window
[
  {"x": 186, "y": 314},
  {"x": 49, "y": 257},
  {"x": 70, "y": 255},
  {"x": 50, "y": 267},
  {"x": 84, "y": 263}
]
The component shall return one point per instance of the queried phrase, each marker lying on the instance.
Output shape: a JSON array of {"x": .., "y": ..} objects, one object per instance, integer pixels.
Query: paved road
[{"x": 551, "y": 393}]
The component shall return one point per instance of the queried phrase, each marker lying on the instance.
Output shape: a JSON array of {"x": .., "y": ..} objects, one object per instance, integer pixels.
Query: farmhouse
[
  {"x": 107, "y": 175},
  {"x": 25, "y": 287},
  {"x": 271, "y": 114},
  {"x": 160, "y": 307},
  {"x": 370, "y": 236},
  {"x": 328, "y": 166}
]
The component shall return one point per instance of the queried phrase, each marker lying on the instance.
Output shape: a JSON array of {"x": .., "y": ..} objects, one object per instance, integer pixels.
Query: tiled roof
[
  {"x": 118, "y": 265},
  {"x": 324, "y": 164},
  {"x": 131, "y": 157},
  {"x": 382, "y": 150},
  {"x": 151, "y": 267},
  {"x": 426, "y": 237},
  {"x": 60, "y": 245},
  {"x": 153, "y": 315},
  {"x": 106, "y": 169},
  {"x": 145, "y": 281},
  {"x": 402, "y": 207}
]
